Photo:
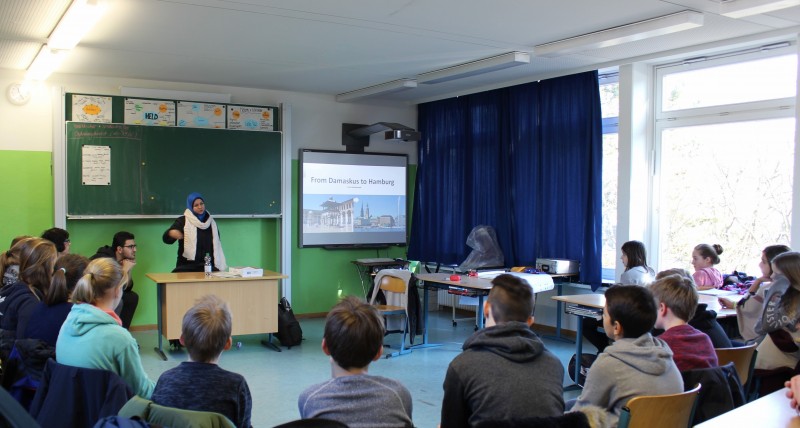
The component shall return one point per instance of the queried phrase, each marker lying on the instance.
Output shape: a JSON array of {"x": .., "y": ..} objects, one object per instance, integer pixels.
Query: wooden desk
[
  {"x": 253, "y": 301},
  {"x": 771, "y": 411}
]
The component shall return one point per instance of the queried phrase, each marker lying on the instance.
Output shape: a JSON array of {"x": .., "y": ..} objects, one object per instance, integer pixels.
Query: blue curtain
[{"x": 525, "y": 160}]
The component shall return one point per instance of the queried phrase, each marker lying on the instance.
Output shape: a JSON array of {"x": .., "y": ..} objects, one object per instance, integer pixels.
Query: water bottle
[{"x": 207, "y": 267}]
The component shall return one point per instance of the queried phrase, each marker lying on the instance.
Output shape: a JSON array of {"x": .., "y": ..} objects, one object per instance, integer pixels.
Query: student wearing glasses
[{"x": 123, "y": 250}]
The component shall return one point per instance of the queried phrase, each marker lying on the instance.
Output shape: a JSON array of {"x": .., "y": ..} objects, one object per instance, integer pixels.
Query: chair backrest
[
  {"x": 393, "y": 284},
  {"x": 169, "y": 416},
  {"x": 741, "y": 357},
  {"x": 660, "y": 411}
]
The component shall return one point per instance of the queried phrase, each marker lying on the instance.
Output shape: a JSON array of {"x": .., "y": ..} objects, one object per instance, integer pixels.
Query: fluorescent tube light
[
  {"x": 81, "y": 16},
  {"x": 623, "y": 34},
  {"x": 481, "y": 66},
  {"x": 383, "y": 88},
  {"x": 46, "y": 61},
  {"x": 742, "y": 8}
]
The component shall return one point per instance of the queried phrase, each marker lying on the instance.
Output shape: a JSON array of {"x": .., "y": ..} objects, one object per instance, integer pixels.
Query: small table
[
  {"x": 253, "y": 301},
  {"x": 769, "y": 411},
  {"x": 367, "y": 268}
]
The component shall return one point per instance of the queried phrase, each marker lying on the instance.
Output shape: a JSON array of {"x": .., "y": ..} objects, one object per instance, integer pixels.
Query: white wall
[{"x": 316, "y": 118}]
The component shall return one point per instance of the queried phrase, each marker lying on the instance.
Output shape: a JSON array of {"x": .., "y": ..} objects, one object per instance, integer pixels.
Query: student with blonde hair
[
  {"x": 206, "y": 333},
  {"x": 92, "y": 336}
]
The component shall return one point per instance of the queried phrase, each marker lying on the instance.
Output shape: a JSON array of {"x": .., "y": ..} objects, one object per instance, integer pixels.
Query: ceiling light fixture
[
  {"x": 623, "y": 34},
  {"x": 383, "y": 88},
  {"x": 46, "y": 61},
  {"x": 481, "y": 66},
  {"x": 742, "y": 8},
  {"x": 81, "y": 16}
]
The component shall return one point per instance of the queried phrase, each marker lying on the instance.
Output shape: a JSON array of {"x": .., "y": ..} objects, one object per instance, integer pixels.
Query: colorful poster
[
  {"x": 91, "y": 108},
  {"x": 96, "y": 165},
  {"x": 250, "y": 118},
  {"x": 201, "y": 115},
  {"x": 149, "y": 112}
]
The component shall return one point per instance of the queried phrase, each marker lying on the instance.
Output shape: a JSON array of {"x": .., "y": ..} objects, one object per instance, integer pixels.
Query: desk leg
[
  {"x": 425, "y": 304},
  {"x": 578, "y": 352},
  {"x": 160, "y": 289},
  {"x": 559, "y": 292},
  {"x": 268, "y": 343},
  {"x": 479, "y": 310}
]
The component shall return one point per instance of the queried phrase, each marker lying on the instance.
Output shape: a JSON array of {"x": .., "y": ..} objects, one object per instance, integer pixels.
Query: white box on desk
[
  {"x": 245, "y": 271},
  {"x": 558, "y": 266}
]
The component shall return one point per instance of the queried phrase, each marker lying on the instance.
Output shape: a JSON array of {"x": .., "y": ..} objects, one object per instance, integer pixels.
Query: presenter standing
[{"x": 197, "y": 234}]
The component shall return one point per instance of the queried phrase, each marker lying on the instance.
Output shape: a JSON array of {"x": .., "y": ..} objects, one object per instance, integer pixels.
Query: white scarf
[{"x": 190, "y": 238}]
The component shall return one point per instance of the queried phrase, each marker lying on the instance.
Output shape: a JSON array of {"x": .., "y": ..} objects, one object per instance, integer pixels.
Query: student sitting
[
  {"x": 123, "y": 250},
  {"x": 49, "y": 315},
  {"x": 60, "y": 238},
  {"x": 92, "y": 336},
  {"x": 353, "y": 338},
  {"x": 17, "y": 301},
  {"x": 206, "y": 332},
  {"x": 505, "y": 372},
  {"x": 676, "y": 298},
  {"x": 779, "y": 321},
  {"x": 9, "y": 262},
  {"x": 636, "y": 363}
]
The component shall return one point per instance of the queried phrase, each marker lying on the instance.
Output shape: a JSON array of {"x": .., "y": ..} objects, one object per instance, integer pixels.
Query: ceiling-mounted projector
[{"x": 402, "y": 135}]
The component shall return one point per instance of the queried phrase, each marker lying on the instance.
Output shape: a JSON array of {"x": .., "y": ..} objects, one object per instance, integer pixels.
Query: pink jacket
[{"x": 708, "y": 276}]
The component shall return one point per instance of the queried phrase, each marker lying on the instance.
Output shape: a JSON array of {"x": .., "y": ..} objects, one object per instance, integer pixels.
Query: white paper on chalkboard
[{"x": 96, "y": 165}]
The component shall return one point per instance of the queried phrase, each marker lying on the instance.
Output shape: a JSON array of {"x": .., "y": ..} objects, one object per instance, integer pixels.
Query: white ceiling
[{"x": 336, "y": 46}]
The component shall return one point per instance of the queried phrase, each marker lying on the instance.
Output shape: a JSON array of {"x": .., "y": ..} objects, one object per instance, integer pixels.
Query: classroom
[{"x": 323, "y": 66}]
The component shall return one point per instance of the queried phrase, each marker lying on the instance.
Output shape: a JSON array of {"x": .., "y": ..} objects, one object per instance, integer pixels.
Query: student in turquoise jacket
[{"x": 92, "y": 336}]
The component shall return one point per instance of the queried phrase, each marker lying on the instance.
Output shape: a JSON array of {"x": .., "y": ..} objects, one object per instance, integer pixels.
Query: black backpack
[{"x": 289, "y": 331}]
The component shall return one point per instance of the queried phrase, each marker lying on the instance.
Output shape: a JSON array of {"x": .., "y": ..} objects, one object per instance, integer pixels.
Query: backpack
[
  {"x": 586, "y": 362},
  {"x": 289, "y": 331}
]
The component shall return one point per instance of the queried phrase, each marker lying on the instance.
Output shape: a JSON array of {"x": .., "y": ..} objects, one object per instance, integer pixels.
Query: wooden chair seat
[
  {"x": 394, "y": 284},
  {"x": 742, "y": 359},
  {"x": 660, "y": 411}
]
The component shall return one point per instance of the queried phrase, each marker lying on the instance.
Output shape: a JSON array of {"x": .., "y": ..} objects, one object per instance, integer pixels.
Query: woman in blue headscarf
[{"x": 197, "y": 234}]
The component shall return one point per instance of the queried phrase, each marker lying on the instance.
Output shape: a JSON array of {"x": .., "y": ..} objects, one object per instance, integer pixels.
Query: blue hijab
[{"x": 190, "y": 201}]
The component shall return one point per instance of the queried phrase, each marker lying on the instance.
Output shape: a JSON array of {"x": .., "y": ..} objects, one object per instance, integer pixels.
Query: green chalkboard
[{"x": 148, "y": 171}]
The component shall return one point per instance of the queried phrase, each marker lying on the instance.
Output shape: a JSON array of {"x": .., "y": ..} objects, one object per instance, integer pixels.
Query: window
[
  {"x": 609, "y": 106},
  {"x": 724, "y": 158}
]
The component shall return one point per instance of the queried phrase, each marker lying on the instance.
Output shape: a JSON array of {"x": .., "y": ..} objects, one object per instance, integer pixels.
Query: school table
[
  {"x": 253, "y": 301},
  {"x": 591, "y": 306},
  {"x": 470, "y": 286},
  {"x": 771, "y": 411}
]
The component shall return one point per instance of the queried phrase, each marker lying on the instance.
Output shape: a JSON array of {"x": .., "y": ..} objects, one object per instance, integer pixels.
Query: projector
[
  {"x": 558, "y": 266},
  {"x": 402, "y": 134}
]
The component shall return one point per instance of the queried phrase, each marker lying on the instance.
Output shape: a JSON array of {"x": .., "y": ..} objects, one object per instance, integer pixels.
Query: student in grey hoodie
[
  {"x": 505, "y": 372},
  {"x": 637, "y": 363}
]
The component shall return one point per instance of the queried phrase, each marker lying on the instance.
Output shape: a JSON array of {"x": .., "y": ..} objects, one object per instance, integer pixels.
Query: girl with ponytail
[{"x": 92, "y": 336}]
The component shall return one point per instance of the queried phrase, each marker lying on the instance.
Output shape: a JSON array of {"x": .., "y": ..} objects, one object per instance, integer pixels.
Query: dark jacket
[
  {"x": 415, "y": 326},
  {"x": 17, "y": 302},
  {"x": 107, "y": 251},
  {"x": 205, "y": 244},
  {"x": 77, "y": 397},
  {"x": 721, "y": 391},
  {"x": 505, "y": 372},
  {"x": 705, "y": 320}
]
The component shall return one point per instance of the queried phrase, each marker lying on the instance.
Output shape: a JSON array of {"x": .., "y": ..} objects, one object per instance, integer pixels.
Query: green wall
[
  {"x": 26, "y": 205},
  {"x": 319, "y": 277}
]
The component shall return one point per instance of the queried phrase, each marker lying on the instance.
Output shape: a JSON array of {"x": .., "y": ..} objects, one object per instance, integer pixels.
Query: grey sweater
[
  {"x": 505, "y": 373},
  {"x": 627, "y": 369},
  {"x": 358, "y": 401}
]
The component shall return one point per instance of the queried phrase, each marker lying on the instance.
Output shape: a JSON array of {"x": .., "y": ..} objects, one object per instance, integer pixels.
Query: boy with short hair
[
  {"x": 505, "y": 372},
  {"x": 353, "y": 338},
  {"x": 676, "y": 299},
  {"x": 200, "y": 384},
  {"x": 637, "y": 363}
]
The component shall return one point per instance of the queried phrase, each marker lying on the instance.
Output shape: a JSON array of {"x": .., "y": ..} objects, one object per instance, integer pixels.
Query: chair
[
  {"x": 721, "y": 393},
  {"x": 741, "y": 357},
  {"x": 77, "y": 397},
  {"x": 154, "y": 413},
  {"x": 395, "y": 288},
  {"x": 660, "y": 411},
  {"x": 12, "y": 414}
]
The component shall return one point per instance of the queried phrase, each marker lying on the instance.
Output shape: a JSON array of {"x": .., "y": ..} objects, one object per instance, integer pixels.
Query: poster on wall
[
  {"x": 250, "y": 118},
  {"x": 201, "y": 115},
  {"x": 96, "y": 165},
  {"x": 149, "y": 112},
  {"x": 91, "y": 108}
]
